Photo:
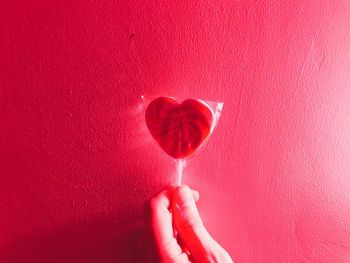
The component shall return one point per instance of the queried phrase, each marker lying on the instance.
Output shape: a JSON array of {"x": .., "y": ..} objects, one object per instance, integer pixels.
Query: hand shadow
[{"x": 100, "y": 241}]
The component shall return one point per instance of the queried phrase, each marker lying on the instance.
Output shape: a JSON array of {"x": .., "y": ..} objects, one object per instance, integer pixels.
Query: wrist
[{"x": 216, "y": 254}]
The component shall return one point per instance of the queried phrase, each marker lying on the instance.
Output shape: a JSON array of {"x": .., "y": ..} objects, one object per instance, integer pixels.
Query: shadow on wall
[{"x": 101, "y": 241}]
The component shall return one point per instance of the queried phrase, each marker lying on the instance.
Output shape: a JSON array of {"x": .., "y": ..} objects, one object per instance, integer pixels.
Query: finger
[
  {"x": 162, "y": 198},
  {"x": 195, "y": 195},
  {"x": 189, "y": 224},
  {"x": 160, "y": 221}
]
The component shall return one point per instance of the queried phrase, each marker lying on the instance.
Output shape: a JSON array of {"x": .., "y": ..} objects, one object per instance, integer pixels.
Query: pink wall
[{"x": 76, "y": 163}]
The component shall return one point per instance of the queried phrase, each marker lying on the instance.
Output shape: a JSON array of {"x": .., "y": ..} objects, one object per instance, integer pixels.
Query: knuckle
[{"x": 153, "y": 203}]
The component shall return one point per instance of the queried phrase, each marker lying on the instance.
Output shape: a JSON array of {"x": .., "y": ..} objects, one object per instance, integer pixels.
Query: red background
[{"x": 76, "y": 163}]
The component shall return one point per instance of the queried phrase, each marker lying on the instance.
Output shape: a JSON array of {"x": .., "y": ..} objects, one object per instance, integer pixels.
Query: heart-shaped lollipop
[{"x": 179, "y": 129}]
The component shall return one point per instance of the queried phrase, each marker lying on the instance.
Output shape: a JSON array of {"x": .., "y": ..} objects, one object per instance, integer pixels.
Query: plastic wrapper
[{"x": 180, "y": 127}]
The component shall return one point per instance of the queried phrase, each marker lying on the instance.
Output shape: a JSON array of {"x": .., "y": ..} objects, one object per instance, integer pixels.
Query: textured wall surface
[{"x": 76, "y": 163}]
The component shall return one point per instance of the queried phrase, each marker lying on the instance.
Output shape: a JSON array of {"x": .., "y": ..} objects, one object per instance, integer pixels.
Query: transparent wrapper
[{"x": 180, "y": 127}]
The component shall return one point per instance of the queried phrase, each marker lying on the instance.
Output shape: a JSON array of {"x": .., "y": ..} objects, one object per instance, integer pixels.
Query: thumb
[
  {"x": 190, "y": 226},
  {"x": 201, "y": 245}
]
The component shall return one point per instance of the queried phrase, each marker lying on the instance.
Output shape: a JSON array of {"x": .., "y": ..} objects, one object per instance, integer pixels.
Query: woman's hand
[{"x": 177, "y": 230}]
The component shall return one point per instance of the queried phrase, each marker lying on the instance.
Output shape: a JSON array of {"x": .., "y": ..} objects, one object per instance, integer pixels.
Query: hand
[{"x": 177, "y": 230}]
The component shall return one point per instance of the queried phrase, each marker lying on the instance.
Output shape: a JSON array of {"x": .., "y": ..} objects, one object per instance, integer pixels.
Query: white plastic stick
[{"x": 179, "y": 168}]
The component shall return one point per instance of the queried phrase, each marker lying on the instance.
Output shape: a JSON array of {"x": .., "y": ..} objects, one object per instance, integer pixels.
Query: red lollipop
[{"x": 179, "y": 129}]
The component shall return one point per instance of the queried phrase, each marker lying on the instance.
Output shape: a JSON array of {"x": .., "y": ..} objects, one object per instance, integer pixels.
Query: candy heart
[{"x": 179, "y": 129}]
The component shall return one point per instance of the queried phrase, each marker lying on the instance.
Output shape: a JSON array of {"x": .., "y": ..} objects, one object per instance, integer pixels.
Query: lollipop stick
[{"x": 179, "y": 168}]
